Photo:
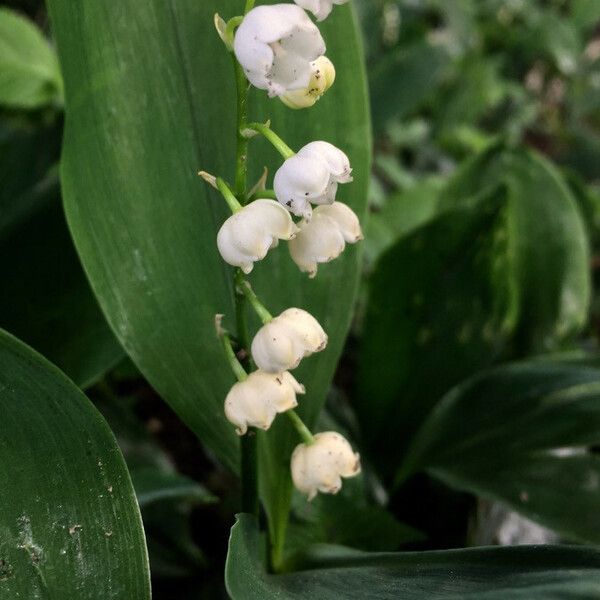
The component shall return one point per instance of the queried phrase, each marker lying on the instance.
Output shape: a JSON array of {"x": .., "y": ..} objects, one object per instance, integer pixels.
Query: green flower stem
[
  {"x": 241, "y": 169},
  {"x": 231, "y": 200},
  {"x": 234, "y": 363},
  {"x": 303, "y": 431},
  {"x": 249, "y": 466},
  {"x": 245, "y": 288},
  {"x": 270, "y": 135},
  {"x": 249, "y": 6},
  {"x": 249, "y": 449},
  {"x": 249, "y": 442}
]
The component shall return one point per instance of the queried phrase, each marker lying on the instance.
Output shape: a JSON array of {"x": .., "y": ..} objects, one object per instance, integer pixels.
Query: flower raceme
[
  {"x": 324, "y": 237},
  {"x": 319, "y": 8},
  {"x": 321, "y": 79},
  {"x": 282, "y": 343},
  {"x": 311, "y": 176},
  {"x": 256, "y": 401},
  {"x": 250, "y": 233},
  {"x": 320, "y": 466},
  {"x": 275, "y": 45}
]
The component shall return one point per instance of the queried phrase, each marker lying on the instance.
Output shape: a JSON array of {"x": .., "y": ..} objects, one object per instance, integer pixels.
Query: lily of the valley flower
[
  {"x": 319, "y": 8},
  {"x": 322, "y": 78},
  {"x": 324, "y": 237},
  {"x": 282, "y": 343},
  {"x": 249, "y": 234},
  {"x": 256, "y": 401},
  {"x": 276, "y": 45},
  {"x": 320, "y": 466},
  {"x": 311, "y": 176}
]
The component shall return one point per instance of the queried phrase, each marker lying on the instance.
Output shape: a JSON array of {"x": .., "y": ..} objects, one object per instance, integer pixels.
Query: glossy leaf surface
[
  {"x": 70, "y": 524},
  {"x": 528, "y": 572},
  {"x": 522, "y": 434}
]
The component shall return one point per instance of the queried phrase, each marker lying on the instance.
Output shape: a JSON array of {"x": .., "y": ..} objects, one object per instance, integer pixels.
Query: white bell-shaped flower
[
  {"x": 311, "y": 176},
  {"x": 249, "y": 234},
  {"x": 324, "y": 237},
  {"x": 276, "y": 45},
  {"x": 322, "y": 78},
  {"x": 281, "y": 344},
  {"x": 319, "y": 467},
  {"x": 319, "y": 8},
  {"x": 256, "y": 401}
]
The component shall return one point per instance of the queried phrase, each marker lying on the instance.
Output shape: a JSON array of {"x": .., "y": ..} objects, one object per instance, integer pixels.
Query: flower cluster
[
  {"x": 309, "y": 177},
  {"x": 280, "y": 50}
]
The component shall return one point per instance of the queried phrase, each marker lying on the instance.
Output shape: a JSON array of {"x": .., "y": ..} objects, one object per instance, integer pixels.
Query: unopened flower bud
[
  {"x": 311, "y": 176},
  {"x": 319, "y": 8},
  {"x": 276, "y": 45},
  {"x": 249, "y": 234},
  {"x": 281, "y": 344},
  {"x": 319, "y": 467},
  {"x": 324, "y": 237},
  {"x": 256, "y": 401},
  {"x": 322, "y": 78}
]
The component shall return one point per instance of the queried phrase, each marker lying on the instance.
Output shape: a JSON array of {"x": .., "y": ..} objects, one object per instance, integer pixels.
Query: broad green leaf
[
  {"x": 155, "y": 485},
  {"x": 70, "y": 526},
  {"x": 404, "y": 79},
  {"x": 528, "y": 572},
  {"x": 401, "y": 214},
  {"x": 441, "y": 306},
  {"x": 547, "y": 241},
  {"x": 550, "y": 249},
  {"x": 46, "y": 300},
  {"x": 29, "y": 71},
  {"x": 521, "y": 434},
  {"x": 150, "y": 101},
  {"x": 475, "y": 89}
]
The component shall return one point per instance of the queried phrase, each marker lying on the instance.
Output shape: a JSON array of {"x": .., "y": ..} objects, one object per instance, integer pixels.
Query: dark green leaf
[
  {"x": 547, "y": 241},
  {"x": 441, "y": 306},
  {"x": 550, "y": 249},
  {"x": 46, "y": 300},
  {"x": 402, "y": 213},
  {"x": 528, "y": 572},
  {"x": 404, "y": 79},
  {"x": 70, "y": 526},
  {"x": 153, "y": 485},
  {"x": 521, "y": 434}
]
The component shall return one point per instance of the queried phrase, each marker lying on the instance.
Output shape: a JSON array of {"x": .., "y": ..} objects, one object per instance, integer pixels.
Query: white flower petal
[
  {"x": 281, "y": 344},
  {"x": 299, "y": 181},
  {"x": 319, "y": 467},
  {"x": 337, "y": 161},
  {"x": 319, "y": 8},
  {"x": 346, "y": 220},
  {"x": 276, "y": 45},
  {"x": 247, "y": 236},
  {"x": 256, "y": 401},
  {"x": 319, "y": 241},
  {"x": 322, "y": 78},
  {"x": 311, "y": 176}
]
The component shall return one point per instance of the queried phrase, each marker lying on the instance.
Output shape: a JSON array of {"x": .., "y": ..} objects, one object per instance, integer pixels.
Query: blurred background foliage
[{"x": 482, "y": 249}]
